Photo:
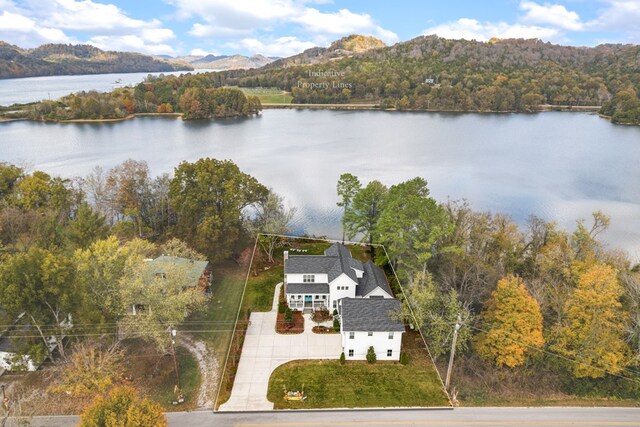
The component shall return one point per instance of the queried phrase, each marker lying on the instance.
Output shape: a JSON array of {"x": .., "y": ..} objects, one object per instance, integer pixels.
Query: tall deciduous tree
[
  {"x": 167, "y": 298},
  {"x": 363, "y": 216},
  {"x": 511, "y": 324},
  {"x": 209, "y": 197},
  {"x": 437, "y": 312},
  {"x": 86, "y": 227},
  {"x": 410, "y": 225},
  {"x": 348, "y": 186},
  {"x": 592, "y": 333},
  {"x": 127, "y": 186},
  {"x": 41, "y": 284},
  {"x": 274, "y": 220},
  {"x": 123, "y": 408}
]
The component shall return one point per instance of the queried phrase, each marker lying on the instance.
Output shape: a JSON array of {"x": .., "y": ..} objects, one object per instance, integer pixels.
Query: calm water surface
[
  {"x": 560, "y": 166},
  {"x": 33, "y": 89}
]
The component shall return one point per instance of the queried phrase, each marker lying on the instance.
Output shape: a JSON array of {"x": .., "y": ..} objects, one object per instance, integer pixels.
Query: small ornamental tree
[
  {"x": 336, "y": 325},
  {"x": 123, "y": 408},
  {"x": 404, "y": 359},
  {"x": 512, "y": 324},
  {"x": 288, "y": 315},
  {"x": 342, "y": 358},
  {"x": 371, "y": 355}
]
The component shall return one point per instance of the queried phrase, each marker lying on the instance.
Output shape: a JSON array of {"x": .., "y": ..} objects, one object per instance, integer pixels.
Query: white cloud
[
  {"x": 555, "y": 15},
  {"x": 244, "y": 19},
  {"x": 23, "y": 31},
  {"x": 131, "y": 43},
  {"x": 473, "y": 29},
  {"x": 620, "y": 16},
  {"x": 201, "y": 52},
  {"x": 281, "y": 46}
]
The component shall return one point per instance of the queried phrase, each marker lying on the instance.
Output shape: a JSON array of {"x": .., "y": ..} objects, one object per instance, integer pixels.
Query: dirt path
[{"x": 208, "y": 370}]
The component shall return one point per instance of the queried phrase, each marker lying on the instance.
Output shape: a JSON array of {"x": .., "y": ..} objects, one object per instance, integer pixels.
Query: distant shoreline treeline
[
  {"x": 432, "y": 73},
  {"x": 66, "y": 59},
  {"x": 193, "y": 96}
]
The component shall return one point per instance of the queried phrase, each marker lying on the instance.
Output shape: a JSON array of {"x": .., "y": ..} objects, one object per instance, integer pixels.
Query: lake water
[
  {"x": 560, "y": 166},
  {"x": 33, "y": 89}
]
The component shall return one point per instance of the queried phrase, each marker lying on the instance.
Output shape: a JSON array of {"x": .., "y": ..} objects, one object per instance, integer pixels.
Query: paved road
[{"x": 459, "y": 417}]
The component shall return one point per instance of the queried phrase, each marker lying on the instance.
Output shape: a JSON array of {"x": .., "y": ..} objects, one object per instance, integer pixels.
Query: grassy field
[
  {"x": 189, "y": 382},
  {"x": 269, "y": 95},
  {"x": 356, "y": 385}
]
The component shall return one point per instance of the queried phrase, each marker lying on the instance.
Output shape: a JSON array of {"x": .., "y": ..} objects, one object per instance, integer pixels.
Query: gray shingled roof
[
  {"x": 370, "y": 314},
  {"x": 307, "y": 288},
  {"x": 336, "y": 261},
  {"x": 373, "y": 278}
]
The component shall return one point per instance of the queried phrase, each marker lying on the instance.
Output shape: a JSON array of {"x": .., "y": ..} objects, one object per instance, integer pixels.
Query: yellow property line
[{"x": 448, "y": 423}]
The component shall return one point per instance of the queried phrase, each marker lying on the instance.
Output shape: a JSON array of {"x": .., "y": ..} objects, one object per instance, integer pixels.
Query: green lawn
[
  {"x": 214, "y": 323},
  {"x": 189, "y": 382},
  {"x": 269, "y": 95},
  {"x": 328, "y": 384}
]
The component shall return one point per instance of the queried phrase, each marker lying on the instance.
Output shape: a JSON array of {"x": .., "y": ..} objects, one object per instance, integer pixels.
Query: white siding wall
[
  {"x": 297, "y": 278},
  {"x": 380, "y": 342},
  {"x": 335, "y": 294},
  {"x": 378, "y": 292}
]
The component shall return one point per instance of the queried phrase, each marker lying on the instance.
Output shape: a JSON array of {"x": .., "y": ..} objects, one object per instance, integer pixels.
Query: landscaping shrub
[
  {"x": 404, "y": 358},
  {"x": 371, "y": 355},
  {"x": 342, "y": 358},
  {"x": 281, "y": 307},
  {"x": 288, "y": 315},
  {"x": 336, "y": 325},
  {"x": 335, "y": 312}
]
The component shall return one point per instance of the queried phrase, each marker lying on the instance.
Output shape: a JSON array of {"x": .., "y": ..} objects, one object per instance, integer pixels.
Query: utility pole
[
  {"x": 453, "y": 351},
  {"x": 175, "y": 359}
]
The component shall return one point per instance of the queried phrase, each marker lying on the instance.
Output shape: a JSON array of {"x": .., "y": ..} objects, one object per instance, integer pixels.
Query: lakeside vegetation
[
  {"x": 499, "y": 75},
  {"x": 555, "y": 312}
]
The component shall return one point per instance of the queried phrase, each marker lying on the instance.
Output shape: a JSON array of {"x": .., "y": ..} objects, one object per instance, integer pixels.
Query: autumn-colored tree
[
  {"x": 89, "y": 370},
  {"x": 511, "y": 324},
  {"x": 592, "y": 333},
  {"x": 123, "y": 408}
]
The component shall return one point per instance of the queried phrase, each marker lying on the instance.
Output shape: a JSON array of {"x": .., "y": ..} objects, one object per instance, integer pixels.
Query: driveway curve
[{"x": 264, "y": 350}]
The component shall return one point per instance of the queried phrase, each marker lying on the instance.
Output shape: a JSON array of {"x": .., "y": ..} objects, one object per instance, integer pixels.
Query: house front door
[{"x": 308, "y": 301}]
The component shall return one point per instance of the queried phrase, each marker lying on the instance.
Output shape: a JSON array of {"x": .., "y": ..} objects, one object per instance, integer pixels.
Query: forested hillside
[
  {"x": 432, "y": 73},
  {"x": 62, "y": 59}
]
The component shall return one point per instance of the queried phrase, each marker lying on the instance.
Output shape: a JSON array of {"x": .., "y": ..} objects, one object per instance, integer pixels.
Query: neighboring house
[
  {"x": 13, "y": 345},
  {"x": 198, "y": 273},
  {"x": 359, "y": 291}
]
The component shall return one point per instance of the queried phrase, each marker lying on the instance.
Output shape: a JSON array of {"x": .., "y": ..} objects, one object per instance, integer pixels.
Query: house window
[
  {"x": 390, "y": 335},
  {"x": 335, "y": 305},
  {"x": 389, "y": 353},
  {"x": 324, "y": 297},
  {"x": 308, "y": 278},
  {"x": 317, "y": 296},
  {"x": 352, "y": 335},
  {"x": 299, "y": 296},
  {"x": 370, "y": 334},
  {"x": 350, "y": 353}
]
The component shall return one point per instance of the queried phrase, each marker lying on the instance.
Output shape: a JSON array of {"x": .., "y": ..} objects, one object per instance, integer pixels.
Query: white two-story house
[{"x": 358, "y": 291}]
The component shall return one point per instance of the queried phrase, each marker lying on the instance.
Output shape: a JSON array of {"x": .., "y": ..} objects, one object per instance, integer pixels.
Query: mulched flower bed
[
  {"x": 323, "y": 330},
  {"x": 295, "y": 327}
]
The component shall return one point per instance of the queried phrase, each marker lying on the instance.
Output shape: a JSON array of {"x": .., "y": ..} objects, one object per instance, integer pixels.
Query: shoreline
[{"x": 346, "y": 107}]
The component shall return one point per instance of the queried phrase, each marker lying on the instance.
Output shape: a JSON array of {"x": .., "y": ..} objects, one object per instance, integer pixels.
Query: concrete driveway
[{"x": 264, "y": 350}]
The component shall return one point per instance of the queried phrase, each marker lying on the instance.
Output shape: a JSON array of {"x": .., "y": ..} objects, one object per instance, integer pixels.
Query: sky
[{"x": 286, "y": 27}]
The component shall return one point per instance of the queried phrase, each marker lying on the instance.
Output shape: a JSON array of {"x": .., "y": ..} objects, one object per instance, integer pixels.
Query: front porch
[{"x": 306, "y": 302}]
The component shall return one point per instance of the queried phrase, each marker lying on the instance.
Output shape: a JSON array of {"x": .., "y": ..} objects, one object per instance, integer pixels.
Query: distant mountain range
[
  {"x": 222, "y": 62},
  {"x": 64, "y": 59}
]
